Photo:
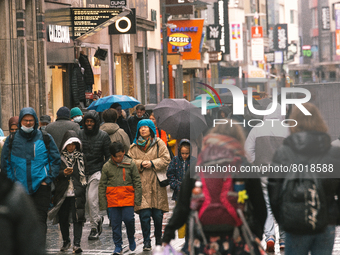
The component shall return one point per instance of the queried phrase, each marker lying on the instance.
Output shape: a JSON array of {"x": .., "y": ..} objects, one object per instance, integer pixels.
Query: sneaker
[
  {"x": 282, "y": 244},
  {"x": 147, "y": 246},
  {"x": 270, "y": 244},
  {"x": 158, "y": 241},
  {"x": 77, "y": 249},
  {"x": 100, "y": 226},
  {"x": 132, "y": 244},
  {"x": 118, "y": 250},
  {"x": 66, "y": 245},
  {"x": 93, "y": 234}
]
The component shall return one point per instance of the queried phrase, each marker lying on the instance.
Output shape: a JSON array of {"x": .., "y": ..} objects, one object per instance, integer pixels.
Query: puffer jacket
[
  {"x": 119, "y": 185},
  {"x": 18, "y": 221},
  {"x": 308, "y": 148},
  {"x": 177, "y": 169},
  {"x": 30, "y": 162},
  {"x": 117, "y": 134},
  {"x": 96, "y": 144},
  {"x": 77, "y": 84},
  {"x": 62, "y": 181},
  {"x": 88, "y": 73}
]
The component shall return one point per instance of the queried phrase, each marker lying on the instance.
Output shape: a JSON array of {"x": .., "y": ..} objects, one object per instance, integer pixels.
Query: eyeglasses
[{"x": 28, "y": 121}]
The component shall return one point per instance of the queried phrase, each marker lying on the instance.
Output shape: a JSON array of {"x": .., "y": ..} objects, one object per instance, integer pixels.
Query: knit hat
[
  {"x": 63, "y": 112},
  {"x": 76, "y": 112},
  {"x": 45, "y": 119}
]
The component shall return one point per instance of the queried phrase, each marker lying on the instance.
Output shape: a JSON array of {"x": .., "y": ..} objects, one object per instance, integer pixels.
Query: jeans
[
  {"x": 145, "y": 219},
  {"x": 117, "y": 215},
  {"x": 41, "y": 199},
  {"x": 269, "y": 226},
  {"x": 92, "y": 201},
  {"x": 64, "y": 212},
  {"x": 318, "y": 244}
]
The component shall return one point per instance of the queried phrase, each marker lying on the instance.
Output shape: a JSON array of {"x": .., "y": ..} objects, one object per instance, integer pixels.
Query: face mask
[
  {"x": 78, "y": 119},
  {"x": 43, "y": 127},
  {"x": 26, "y": 129}
]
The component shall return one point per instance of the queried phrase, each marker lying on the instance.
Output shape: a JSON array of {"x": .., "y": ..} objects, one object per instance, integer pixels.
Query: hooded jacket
[
  {"x": 96, "y": 144},
  {"x": 263, "y": 141},
  {"x": 62, "y": 181},
  {"x": 116, "y": 134},
  {"x": 123, "y": 124},
  {"x": 30, "y": 163},
  {"x": 177, "y": 169},
  {"x": 308, "y": 148},
  {"x": 154, "y": 196},
  {"x": 133, "y": 123},
  {"x": 119, "y": 185}
]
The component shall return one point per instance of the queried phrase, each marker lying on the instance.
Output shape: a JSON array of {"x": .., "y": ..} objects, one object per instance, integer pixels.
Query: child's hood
[{"x": 179, "y": 148}]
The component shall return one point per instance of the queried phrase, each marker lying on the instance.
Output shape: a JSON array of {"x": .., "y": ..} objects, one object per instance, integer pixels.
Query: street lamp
[{"x": 165, "y": 43}]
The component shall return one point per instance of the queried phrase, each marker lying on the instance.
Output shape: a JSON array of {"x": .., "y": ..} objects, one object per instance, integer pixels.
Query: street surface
[{"x": 105, "y": 244}]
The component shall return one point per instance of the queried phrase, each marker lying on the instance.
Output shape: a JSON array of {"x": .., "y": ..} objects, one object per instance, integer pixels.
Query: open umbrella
[
  {"x": 227, "y": 98},
  {"x": 198, "y": 102},
  {"x": 180, "y": 118},
  {"x": 104, "y": 103}
]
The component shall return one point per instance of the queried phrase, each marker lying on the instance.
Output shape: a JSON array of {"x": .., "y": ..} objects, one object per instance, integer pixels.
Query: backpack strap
[
  {"x": 10, "y": 144},
  {"x": 47, "y": 140}
]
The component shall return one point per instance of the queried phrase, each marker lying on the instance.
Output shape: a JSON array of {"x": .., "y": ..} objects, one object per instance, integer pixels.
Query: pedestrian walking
[
  {"x": 223, "y": 145},
  {"x": 96, "y": 150},
  {"x": 177, "y": 169},
  {"x": 70, "y": 189},
  {"x": 133, "y": 120},
  {"x": 44, "y": 121},
  {"x": 63, "y": 123},
  {"x": 32, "y": 159},
  {"x": 122, "y": 122},
  {"x": 77, "y": 115},
  {"x": 262, "y": 142},
  {"x": 152, "y": 157},
  {"x": 114, "y": 131},
  {"x": 18, "y": 221},
  {"x": 13, "y": 123},
  {"x": 160, "y": 133},
  {"x": 309, "y": 226},
  {"x": 120, "y": 189}
]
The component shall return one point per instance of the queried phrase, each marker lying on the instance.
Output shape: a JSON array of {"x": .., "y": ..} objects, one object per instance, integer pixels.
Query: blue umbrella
[
  {"x": 198, "y": 102},
  {"x": 104, "y": 103}
]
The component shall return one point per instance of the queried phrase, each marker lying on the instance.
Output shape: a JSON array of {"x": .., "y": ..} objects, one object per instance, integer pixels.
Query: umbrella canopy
[
  {"x": 104, "y": 103},
  {"x": 198, "y": 102},
  {"x": 150, "y": 106},
  {"x": 180, "y": 118},
  {"x": 227, "y": 98}
]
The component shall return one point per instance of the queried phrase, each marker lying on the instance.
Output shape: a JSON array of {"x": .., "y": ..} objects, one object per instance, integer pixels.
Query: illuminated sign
[
  {"x": 125, "y": 25},
  {"x": 87, "y": 19},
  {"x": 117, "y": 4},
  {"x": 186, "y": 29},
  {"x": 179, "y": 40},
  {"x": 58, "y": 34}
]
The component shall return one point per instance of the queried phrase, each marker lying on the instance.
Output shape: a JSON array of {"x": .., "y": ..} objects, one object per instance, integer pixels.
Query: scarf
[
  {"x": 145, "y": 144},
  {"x": 71, "y": 159}
]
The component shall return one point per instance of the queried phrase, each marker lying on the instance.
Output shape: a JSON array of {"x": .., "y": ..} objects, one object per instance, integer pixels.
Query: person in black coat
[
  {"x": 253, "y": 187},
  {"x": 18, "y": 221},
  {"x": 133, "y": 120},
  {"x": 309, "y": 144},
  {"x": 122, "y": 123},
  {"x": 70, "y": 189},
  {"x": 96, "y": 145}
]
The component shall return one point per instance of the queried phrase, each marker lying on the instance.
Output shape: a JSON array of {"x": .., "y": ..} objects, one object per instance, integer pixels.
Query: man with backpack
[{"x": 31, "y": 157}]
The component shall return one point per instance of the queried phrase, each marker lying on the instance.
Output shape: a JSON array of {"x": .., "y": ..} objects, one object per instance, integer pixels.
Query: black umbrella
[{"x": 180, "y": 118}]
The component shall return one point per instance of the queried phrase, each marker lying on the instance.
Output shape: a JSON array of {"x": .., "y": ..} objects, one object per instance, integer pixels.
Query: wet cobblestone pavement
[{"x": 105, "y": 243}]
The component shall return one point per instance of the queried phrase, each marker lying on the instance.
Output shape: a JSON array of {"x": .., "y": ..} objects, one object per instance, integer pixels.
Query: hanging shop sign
[
  {"x": 325, "y": 18},
  {"x": 58, "y": 34},
  {"x": 213, "y": 32},
  {"x": 236, "y": 42},
  {"x": 257, "y": 45},
  {"x": 117, "y": 3},
  {"x": 281, "y": 37},
  {"x": 125, "y": 25},
  {"x": 179, "y": 40},
  {"x": 222, "y": 18},
  {"x": 88, "y": 21},
  {"x": 186, "y": 38}
]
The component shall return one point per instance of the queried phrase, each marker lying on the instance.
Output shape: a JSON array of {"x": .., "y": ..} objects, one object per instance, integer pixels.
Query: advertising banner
[
  {"x": 186, "y": 38},
  {"x": 236, "y": 42}
]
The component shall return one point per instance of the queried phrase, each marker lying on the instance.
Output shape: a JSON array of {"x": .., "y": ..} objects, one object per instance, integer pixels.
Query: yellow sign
[{"x": 179, "y": 39}]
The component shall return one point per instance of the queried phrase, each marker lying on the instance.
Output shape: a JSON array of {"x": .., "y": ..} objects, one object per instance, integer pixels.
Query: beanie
[
  {"x": 63, "y": 112},
  {"x": 76, "y": 112}
]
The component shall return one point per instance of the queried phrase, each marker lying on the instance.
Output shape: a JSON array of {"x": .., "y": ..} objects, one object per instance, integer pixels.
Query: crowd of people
[{"x": 88, "y": 163}]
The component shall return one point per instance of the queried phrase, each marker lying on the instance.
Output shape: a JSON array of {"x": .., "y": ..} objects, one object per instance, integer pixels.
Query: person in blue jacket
[{"x": 29, "y": 161}]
